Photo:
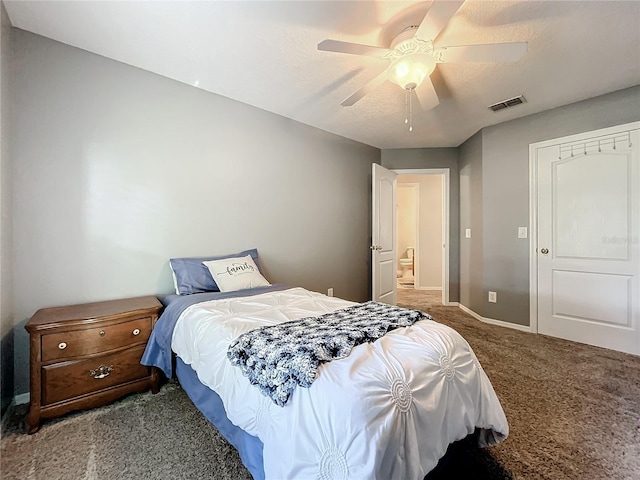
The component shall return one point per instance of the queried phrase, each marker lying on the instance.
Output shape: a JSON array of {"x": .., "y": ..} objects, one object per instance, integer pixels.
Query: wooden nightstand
[{"x": 84, "y": 356}]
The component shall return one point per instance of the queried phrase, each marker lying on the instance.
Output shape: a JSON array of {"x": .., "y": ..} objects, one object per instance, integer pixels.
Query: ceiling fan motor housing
[{"x": 412, "y": 60}]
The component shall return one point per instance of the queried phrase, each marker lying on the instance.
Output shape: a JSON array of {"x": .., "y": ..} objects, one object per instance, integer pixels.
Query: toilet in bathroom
[{"x": 406, "y": 264}]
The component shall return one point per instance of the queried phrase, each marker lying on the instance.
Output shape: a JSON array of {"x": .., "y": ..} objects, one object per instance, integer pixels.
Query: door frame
[
  {"x": 533, "y": 205},
  {"x": 445, "y": 220}
]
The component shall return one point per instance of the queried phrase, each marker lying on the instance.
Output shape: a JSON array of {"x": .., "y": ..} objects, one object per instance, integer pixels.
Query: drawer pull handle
[
  {"x": 102, "y": 332},
  {"x": 101, "y": 372},
  {"x": 136, "y": 331},
  {"x": 62, "y": 345}
]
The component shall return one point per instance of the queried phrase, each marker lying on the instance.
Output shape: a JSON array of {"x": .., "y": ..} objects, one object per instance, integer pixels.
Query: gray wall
[
  {"x": 492, "y": 198},
  {"x": 419, "y": 158},
  {"x": 112, "y": 170},
  {"x": 117, "y": 169},
  {"x": 505, "y": 192},
  {"x": 6, "y": 269},
  {"x": 471, "y": 259}
]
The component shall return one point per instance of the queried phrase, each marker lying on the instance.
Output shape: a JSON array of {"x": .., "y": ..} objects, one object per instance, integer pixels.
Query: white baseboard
[
  {"x": 22, "y": 398},
  {"x": 433, "y": 289},
  {"x": 492, "y": 321},
  {"x": 470, "y": 312},
  {"x": 452, "y": 304}
]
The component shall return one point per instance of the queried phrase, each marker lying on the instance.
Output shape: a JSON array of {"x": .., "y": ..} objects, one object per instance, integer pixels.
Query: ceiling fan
[{"x": 413, "y": 55}]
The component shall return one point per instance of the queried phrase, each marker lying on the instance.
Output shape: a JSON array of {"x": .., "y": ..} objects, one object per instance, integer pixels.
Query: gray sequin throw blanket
[{"x": 277, "y": 358}]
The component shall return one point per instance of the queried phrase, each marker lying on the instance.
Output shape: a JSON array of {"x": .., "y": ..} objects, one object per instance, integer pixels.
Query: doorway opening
[
  {"x": 422, "y": 212},
  {"x": 407, "y": 209}
]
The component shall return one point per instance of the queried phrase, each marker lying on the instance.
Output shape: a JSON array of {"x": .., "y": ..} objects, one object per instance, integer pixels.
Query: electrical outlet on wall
[
  {"x": 330, "y": 292},
  {"x": 493, "y": 297}
]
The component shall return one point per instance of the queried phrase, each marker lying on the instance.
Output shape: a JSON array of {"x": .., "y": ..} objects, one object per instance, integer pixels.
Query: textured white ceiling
[{"x": 264, "y": 54}]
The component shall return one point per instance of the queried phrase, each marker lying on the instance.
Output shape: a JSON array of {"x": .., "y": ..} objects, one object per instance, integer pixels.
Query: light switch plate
[
  {"x": 522, "y": 232},
  {"x": 467, "y": 233},
  {"x": 493, "y": 297}
]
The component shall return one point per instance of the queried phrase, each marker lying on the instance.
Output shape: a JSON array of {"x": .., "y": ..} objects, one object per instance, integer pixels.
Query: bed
[{"x": 388, "y": 410}]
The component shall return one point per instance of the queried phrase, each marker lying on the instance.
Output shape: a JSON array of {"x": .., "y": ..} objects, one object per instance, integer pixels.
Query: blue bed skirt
[{"x": 210, "y": 404}]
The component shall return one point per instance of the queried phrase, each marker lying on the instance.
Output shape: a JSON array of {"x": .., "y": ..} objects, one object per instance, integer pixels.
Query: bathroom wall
[
  {"x": 430, "y": 229},
  {"x": 431, "y": 225},
  {"x": 406, "y": 218}
]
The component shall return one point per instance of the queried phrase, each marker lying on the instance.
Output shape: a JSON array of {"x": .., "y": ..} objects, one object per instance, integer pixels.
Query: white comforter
[{"x": 387, "y": 411}]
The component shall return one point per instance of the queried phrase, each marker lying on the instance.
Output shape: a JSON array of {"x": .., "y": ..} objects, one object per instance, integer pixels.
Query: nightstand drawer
[
  {"x": 95, "y": 340},
  {"x": 65, "y": 380}
]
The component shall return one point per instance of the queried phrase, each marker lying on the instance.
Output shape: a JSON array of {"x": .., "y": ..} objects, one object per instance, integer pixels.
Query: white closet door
[{"x": 589, "y": 240}]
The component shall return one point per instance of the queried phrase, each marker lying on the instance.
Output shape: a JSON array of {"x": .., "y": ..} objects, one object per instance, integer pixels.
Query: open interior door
[{"x": 383, "y": 238}]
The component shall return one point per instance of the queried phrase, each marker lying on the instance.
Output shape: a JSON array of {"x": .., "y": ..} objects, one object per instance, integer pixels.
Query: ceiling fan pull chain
[
  {"x": 410, "y": 111},
  {"x": 406, "y": 107}
]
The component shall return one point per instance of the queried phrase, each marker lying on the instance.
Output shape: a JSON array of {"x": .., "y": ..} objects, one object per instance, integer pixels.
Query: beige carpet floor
[
  {"x": 573, "y": 411},
  {"x": 140, "y": 437}
]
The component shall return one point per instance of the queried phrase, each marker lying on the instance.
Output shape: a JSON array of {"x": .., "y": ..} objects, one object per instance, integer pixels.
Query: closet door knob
[{"x": 544, "y": 251}]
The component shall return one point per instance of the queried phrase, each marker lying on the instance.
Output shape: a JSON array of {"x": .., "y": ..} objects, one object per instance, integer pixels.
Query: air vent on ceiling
[{"x": 507, "y": 103}]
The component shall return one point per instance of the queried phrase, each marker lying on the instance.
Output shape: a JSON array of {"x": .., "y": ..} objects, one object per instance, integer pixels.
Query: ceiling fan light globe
[{"x": 410, "y": 70}]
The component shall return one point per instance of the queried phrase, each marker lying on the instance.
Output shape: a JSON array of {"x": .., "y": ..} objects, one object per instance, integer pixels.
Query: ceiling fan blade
[
  {"x": 489, "y": 52},
  {"x": 427, "y": 95},
  {"x": 437, "y": 18},
  {"x": 352, "y": 48},
  {"x": 368, "y": 88}
]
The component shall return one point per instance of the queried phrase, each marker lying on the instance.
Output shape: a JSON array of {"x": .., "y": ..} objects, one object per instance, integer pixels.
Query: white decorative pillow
[{"x": 237, "y": 273}]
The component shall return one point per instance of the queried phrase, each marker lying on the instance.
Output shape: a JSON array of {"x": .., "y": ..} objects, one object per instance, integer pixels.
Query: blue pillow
[{"x": 190, "y": 275}]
